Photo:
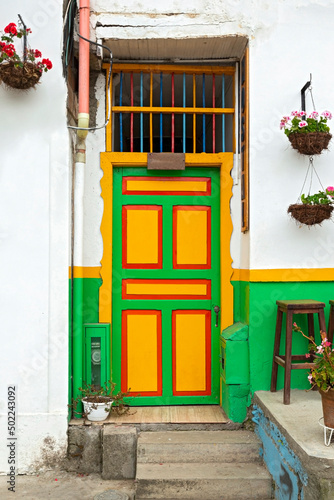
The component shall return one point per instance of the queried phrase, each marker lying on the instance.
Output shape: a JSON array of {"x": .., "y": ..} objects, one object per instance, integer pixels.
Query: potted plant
[
  {"x": 98, "y": 402},
  {"x": 20, "y": 72},
  {"x": 322, "y": 373},
  {"x": 314, "y": 208},
  {"x": 309, "y": 135}
]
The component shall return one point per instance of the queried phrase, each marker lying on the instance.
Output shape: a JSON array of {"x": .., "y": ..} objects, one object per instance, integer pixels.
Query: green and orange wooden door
[{"x": 166, "y": 283}]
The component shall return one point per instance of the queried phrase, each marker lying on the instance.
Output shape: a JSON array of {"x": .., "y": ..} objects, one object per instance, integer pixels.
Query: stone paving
[{"x": 61, "y": 485}]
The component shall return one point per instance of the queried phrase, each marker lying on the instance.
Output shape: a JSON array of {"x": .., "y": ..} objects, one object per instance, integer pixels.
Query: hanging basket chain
[
  {"x": 316, "y": 173},
  {"x": 310, "y": 91},
  {"x": 302, "y": 189},
  {"x": 310, "y": 170},
  {"x": 311, "y": 175}
]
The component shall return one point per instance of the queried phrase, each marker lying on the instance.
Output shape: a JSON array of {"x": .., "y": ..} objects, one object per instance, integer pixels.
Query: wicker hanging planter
[
  {"x": 310, "y": 214},
  {"x": 20, "y": 77},
  {"x": 311, "y": 143}
]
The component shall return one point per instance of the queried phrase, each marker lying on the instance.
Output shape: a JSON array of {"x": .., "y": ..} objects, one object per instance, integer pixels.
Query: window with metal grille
[{"x": 175, "y": 109}]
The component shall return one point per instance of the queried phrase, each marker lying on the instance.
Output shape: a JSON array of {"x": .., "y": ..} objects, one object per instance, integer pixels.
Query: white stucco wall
[
  {"x": 287, "y": 41},
  {"x": 34, "y": 249},
  {"x": 279, "y": 68}
]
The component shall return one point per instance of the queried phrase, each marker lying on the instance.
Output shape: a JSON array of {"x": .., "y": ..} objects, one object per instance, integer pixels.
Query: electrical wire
[
  {"x": 108, "y": 87},
  {"x": 68, "y": 28}
]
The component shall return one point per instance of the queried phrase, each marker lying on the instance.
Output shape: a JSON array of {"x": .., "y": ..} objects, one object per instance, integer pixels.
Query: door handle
[{"x": 216, "y": 310}]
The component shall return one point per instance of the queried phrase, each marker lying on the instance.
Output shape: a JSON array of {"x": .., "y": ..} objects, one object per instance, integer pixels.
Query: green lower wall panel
[
  {"x": 235, "y": 400},
  {"x": 91, "y": 299},
  {"x": 255, "y": 305},
  {"x": 84, "y": 309},
  {"x": 241, "y": 301},
  {"x": 262, "y": 322}
]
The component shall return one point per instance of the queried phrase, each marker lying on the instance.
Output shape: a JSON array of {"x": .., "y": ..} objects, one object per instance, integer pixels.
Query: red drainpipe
[
  {"x": 79, "y": 188},
  {"x": 83, "y": 117}
]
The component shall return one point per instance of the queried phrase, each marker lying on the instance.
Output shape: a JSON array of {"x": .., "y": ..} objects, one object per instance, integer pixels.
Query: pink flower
[
  {"x": 327, "y": 114},
  {"x": 320, "y": 349},
  {"x": 314, "y": 114},
  {"x": 328, "y": 344},
  {"x": 310, "y": 379},
  {"x": 330, "y": 188},
  {"x": 302, "y": 124},
  {"x": 307, "y": 355},
  {"x": 295, "y": 113},
  {"x": 295, "y": 324},
  {"x": 282, "y": 125},
  {"x": 301, "y": 113}
]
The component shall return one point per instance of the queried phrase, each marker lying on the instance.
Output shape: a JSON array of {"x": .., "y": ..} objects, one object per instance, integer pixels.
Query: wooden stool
[
  {"x": 331, "y": 322},
  {"x": 291, "y": 307}
]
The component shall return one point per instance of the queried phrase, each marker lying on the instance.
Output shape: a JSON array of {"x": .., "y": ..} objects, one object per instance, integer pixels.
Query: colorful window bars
[{"x": 175, "y": 109}]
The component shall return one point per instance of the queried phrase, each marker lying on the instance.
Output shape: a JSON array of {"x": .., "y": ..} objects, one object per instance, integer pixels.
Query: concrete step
[
  {"x": 198, "y": 446},
  {"x": 212, "y": 481}
]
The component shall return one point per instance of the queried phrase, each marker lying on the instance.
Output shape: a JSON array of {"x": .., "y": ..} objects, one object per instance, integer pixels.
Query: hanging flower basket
[
  {"x": 312, "y": 143},
  {"x": 310, "y": 214},
  {"x": 20, "y": 77},
  {"x": 16, "y": 71},
  {"x": 309, "y": 135}
]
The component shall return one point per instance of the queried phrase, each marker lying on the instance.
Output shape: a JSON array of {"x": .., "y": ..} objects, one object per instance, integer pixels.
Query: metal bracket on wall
[
  {"x": 24, "y": 38},
  {"x": 302, "y": 92}
]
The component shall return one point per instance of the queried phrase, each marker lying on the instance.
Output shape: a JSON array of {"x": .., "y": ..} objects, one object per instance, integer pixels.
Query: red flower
[
  {"x": 37, "y": 53},
  {"x": 2, "y": 45},
  {"x": 47, "y": 63},
  {"x": 9, "y": 49},
  {"x": 11, "y": 28},
  {"x": 9, "y": 52}
]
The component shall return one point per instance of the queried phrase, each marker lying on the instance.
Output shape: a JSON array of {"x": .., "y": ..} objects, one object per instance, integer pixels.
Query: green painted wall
[
  {"x": 262, "y": 322},
  {"x": 240, "y": 301},
  {"x": 85, "y": 304},
  {"x": 91, "y": 299},
  {"x": 255, "y": 305}
]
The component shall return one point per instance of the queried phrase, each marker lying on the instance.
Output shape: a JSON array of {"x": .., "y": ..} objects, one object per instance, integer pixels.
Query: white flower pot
[{"x": 97, "y": 412}]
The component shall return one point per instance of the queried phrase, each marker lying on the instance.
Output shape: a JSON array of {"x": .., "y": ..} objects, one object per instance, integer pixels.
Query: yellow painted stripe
[
  {"x": 283, "y": 275},
  {"x": 85, "y": 272},
  {"x": 163, "y": 185},
  {"x": 190, "y": 352},
  {"x": 166, "y": 289},
  {"x": 142, "y": 332},
  {"x": 168, "y": 110},
  {"x": 253, "y": 275},
  {"x": 105, "y": 303}
]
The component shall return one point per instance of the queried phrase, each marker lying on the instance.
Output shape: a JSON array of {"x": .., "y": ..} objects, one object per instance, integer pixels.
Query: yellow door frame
[{"x": 224, "y": 161}]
